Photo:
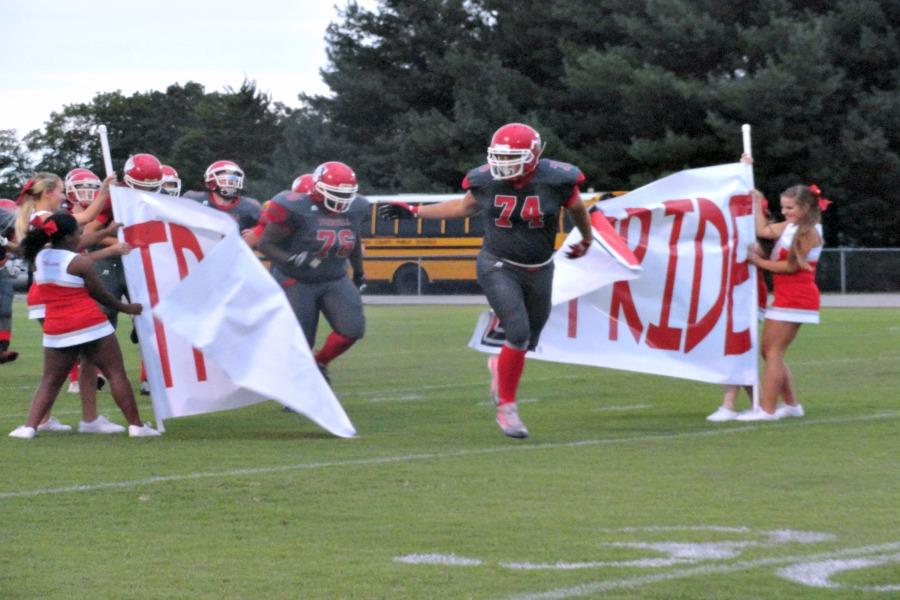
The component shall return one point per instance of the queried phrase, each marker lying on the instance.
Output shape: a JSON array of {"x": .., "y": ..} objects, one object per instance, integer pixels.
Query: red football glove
[
  {"x": 579, "y": 249},
  {"x": 398, "y": 210}
]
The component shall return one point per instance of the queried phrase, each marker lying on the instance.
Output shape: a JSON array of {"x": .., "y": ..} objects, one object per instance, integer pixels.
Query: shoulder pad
[
  {"x": 251, "y": 201},
  {"x": 554, "y": 172},
  {"x": 477, "y": 177}
]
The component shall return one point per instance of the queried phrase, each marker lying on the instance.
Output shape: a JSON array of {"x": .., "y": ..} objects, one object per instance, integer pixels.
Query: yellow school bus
[{"x": 411, "y": 254}]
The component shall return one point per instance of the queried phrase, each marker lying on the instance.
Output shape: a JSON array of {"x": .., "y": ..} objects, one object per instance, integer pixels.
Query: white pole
[
  {"x": 754, "y": 274},
  {"x": 104, "y": 147},
  {"x": 745, "y": 132}
]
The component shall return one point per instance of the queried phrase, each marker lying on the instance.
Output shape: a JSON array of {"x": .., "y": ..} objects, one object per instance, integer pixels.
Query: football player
[
  {"x": 519, "y": 196},
  {"x": 7, "y": 228},
  {"x": 310, "y": 237},
  {"x": 171, "y": 182},
  {"x": 224, "y": 181}
]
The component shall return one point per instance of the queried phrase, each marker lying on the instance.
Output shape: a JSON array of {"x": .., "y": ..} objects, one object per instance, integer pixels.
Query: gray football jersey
[
  {"x": 328, "y": 238},
  {"x": 245, "y": 211},
  {"x": 521, "y": 223}
]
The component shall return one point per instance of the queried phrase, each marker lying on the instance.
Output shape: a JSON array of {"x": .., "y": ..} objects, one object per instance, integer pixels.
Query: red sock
[
  {"x": 143, "y": 372},
  {"x": 509, "y": 372},
  {"x": 73, "y": 372},
  {"x": 335, "y": 345}
]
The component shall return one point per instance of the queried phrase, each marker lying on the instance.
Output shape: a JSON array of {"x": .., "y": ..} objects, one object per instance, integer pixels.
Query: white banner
[
  {"x": 692, "y": 311},
  {"x": 223, "y": 335}
]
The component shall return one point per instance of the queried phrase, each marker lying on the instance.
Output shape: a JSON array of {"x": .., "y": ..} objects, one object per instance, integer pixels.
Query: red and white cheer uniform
[
  {"x": 796, "y": 294},
  {"x": 72, "y": 315},
  {"x": 33, "y": 300}
]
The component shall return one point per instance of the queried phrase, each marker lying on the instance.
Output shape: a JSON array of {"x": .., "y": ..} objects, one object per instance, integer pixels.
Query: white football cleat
[
  {"x": 722, "y": 414},
  {"x": 757, "y": 415},
  {"x": 789, "y": 410},
  {"x": 53, "y": 424},
  {"x": 142, "y": 431},
  {"x": 23, "y": 432},
  {"x": 509, "y": 421},
  {"x": 99, "y": 425},
  {"x": 74, "y": 387}
]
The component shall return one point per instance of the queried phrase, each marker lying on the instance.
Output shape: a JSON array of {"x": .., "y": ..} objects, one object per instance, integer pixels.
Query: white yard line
[
  {"x": 598, "y": 587},
  {"x": 89, "y": 487}
]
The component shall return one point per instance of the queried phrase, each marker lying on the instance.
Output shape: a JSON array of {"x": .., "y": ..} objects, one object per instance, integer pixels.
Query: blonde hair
[
  {"x": 803, "y": 196},
  {"x": 40, "y": 183}
]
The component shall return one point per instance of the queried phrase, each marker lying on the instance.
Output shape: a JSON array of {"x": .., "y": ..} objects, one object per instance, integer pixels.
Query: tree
[
  {"x": 15, "y": 168},
  {"x": 184, "y": 126}
]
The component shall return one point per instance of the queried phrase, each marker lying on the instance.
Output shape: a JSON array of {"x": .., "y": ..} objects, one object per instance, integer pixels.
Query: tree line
[{"x": 628, "y": 90}]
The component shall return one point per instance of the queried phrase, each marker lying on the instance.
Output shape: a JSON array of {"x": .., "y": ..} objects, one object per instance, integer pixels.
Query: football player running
[
  {"x": 7, "y": 228},
  {"x": 224, "y": 191},
  {"x": 519, "y": 196},
  {"x": 310, "y": 237},
  {"x": 171, "y": 182}
]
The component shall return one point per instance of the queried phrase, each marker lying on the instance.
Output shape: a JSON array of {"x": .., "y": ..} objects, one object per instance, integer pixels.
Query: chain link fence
[{"x": 859, "y": 270}]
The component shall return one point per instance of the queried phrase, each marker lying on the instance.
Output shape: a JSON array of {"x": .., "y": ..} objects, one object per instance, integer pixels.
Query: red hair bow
[
  {"x": 49, "y": 227},
  {"x": 25, "y": 189},
  {"x": 817, "y": 193}
]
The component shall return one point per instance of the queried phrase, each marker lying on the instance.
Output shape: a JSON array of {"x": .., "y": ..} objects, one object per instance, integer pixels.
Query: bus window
[
  {"x": 431, "y": 227},
  {"x": 408, "y": 227},
  {"x": 455, "y": 227},
  {"x": 383, "y": 226}
]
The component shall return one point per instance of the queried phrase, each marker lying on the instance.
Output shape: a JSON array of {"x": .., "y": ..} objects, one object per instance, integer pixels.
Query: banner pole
[
  {"x": 104, "y": 147},
  {"x": 754, "y": 275}
]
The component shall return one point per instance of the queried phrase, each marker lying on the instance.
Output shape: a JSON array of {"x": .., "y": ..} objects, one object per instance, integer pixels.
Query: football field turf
[{"x": 623, "y": 489}]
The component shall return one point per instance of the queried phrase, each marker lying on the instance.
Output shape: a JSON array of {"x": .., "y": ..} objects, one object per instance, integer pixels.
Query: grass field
[{"x": 623, "y": 489}]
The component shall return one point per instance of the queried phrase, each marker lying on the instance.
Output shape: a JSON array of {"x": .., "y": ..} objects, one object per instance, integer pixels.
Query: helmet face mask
[
  {"x": 336, "y": 183},
  {"x": 225, "y": 178},
  {"x": 82, "y": 186},
  {"x": 514, "y": 151},
  {"x": 171, "y": 182}
]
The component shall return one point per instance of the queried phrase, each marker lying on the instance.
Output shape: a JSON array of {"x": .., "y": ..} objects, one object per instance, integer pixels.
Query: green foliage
[
  {"x": 14, "y": 164},
  {"x": 185, "y": 126},
  {"x": 628, "y": 90}
]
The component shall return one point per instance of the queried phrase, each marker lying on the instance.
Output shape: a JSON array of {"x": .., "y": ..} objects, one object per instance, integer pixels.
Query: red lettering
[
  {"x": 697, "y": 330},
  {"x": 662, "y": 335},
  {"x": 142, "y": 236},
  {"x": 573, "y": 318},
  {"x": 506, "y": 204},
  {"x": 737, "y": 342},
  {"x": 622, "y": 299},
  {"x": 531, "y": 212},
  {"x": 183, "y": 239}
]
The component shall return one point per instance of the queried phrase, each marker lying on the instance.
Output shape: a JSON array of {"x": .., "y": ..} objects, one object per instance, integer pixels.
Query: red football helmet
[
  {"x": 225, "y": 178},
  {"x": 303, "y": 184},
  {"x": 143, "y": 172},
  {"x": 334, "y": 183},
  {"x": 82, "y": 186},
  {"x": 171, "y": 182},
  {"x": 514, "y": 151}
]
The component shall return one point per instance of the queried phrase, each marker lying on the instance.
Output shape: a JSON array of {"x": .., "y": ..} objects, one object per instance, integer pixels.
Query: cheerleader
[
  {"x": 793, "y": 262},
  {"x": 73, "y": 324}
]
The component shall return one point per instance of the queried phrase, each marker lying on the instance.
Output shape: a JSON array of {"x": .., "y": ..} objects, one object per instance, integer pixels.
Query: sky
[{"x": 58, "y": 52}]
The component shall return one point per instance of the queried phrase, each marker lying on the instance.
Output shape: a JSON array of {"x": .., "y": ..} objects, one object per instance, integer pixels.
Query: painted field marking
[
  {"x": 88, "y": 487},
  {"x": 818, "y": 574},
  {"x": 598, "y": 587},
  {"x": 675, "y": 552}
]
